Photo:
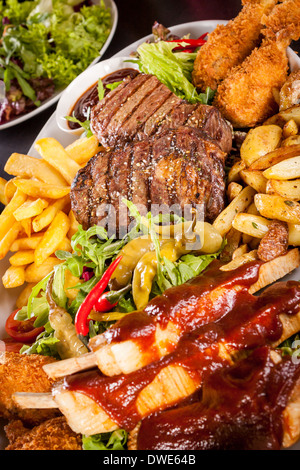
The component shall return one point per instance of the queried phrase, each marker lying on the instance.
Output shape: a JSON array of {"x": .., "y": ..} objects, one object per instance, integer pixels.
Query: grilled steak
[
  {"x": 177, "y": 167},
  {"x": 142, "y": 106}
]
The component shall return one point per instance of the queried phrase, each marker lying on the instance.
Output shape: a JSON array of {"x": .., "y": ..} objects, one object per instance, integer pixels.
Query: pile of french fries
[
  {"x": 37, "y": 219},
  {"x": 263, "y": 185}
]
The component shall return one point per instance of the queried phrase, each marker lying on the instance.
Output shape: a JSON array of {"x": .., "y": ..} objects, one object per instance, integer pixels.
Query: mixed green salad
[{"x": 44, "y": 45}]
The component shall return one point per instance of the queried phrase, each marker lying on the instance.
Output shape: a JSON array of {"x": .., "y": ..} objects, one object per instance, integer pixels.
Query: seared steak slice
[
  {"x": 181, "y": 167},
  {"x": 116, "y": 125},
  {"x": 140, "y": 175},
  {"x": 105, "y": 110},
  {"x": 143, "y": 106}
]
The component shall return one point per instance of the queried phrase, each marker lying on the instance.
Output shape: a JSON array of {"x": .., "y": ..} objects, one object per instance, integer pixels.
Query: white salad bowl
[{"x": 81, "y": 84}]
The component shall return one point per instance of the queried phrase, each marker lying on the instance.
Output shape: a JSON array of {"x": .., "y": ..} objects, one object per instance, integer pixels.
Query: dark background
[{"x": 136, "y": 18}]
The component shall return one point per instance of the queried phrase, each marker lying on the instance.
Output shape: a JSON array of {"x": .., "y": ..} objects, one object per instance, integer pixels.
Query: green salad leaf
[
  {"x": 174, "y": 69},
  {"x": 48, "y": 38},
  {"x": 115, "y": 440}
]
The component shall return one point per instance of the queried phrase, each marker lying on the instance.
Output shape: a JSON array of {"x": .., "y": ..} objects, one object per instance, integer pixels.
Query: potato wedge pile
[
  {"x": 37, "y": 219},
  {"x": 263, "y": 187}
]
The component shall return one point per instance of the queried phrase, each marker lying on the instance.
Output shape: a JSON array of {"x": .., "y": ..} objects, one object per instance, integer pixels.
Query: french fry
[
  {"x": 250, "y": 210},
  {"x": 34, "y": 273},
  {"x": 292, "y": 140},
  {"x": 241, "y": 250},
  {"x": 17, "y": 200},
  {"x": 276, "y": 119},
  {"x": 73, "y": 224},
  {"x": 45, "y": 218},
  {"x": 10, "y": 236},
  {"x": 25, "y": 166},
  {"x": 83, "y": 149},
  {"x": 30, "y": 208},
  {"x": 277, "y": 156},
  {"x": 27, "y": 243},
  {"x": 269, "y": 187},
  {"x": 55, "y": 154},
  {"x": 291, "y": 113},
  {"x": 294, "y": 234},
  {"x": 223, "y": 222},
  {"x": 234, "y": 172},
  {"x": 22, "y": 258},
  {"x": 22, "y": 299},
  {"x": 233, "y": 190},
  {"x": 276, "y": 269},
  {"x": 3, "y": 183},
  {"x": 14, "y": 276},
  {"x": 26, "y": 224},
  {"x": 40, "y": 189},
  {"x": 10, "y": 189},
  {"x": 233, "y": 239},
  {"x": 65, "y": 245},
  {"x": 289, "y": 129},
  {"x": 285, "y": 170},
  {"x": 239, "y": 261},
  {"x": 255, "y": 179},
  {"x": 272, "y": 206},
  {"x": 253, "y": 225},
  {"x": 54, "y": 235},
  {"x": 259, "y": 141},
  {"x": 287, "y": 189}
]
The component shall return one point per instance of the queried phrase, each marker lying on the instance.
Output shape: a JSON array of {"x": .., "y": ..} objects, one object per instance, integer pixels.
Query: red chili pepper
[
  {"x": 191, "y": 44},
  {"x": 110, "y": 299},
  {"x": 81, "y": 319}
]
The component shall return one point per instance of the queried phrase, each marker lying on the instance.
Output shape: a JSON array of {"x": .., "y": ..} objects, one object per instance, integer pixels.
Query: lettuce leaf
[
  {"x": 174, "y": 69},
  {"x": 49, "y": 39},
  {"x": 107, "y": 441}
]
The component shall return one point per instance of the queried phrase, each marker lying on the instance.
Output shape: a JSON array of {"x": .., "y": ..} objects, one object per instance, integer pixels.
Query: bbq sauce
[
  {"x": 252, "y": 322},
  {"x": 187, "y": 306},
  {"x": 90, "y": 97},
  {"x": 241, "y": 408}
]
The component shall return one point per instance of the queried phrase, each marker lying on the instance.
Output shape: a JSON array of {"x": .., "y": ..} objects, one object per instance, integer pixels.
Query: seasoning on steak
[
  {"x": 142, "y": 106},
  {"x": 179, "y": 167}
]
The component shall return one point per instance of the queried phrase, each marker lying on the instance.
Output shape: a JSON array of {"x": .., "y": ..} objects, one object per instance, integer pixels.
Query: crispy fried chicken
[
  {"x": 228, "y": 45},
  {"x": 22, "y": 373}
]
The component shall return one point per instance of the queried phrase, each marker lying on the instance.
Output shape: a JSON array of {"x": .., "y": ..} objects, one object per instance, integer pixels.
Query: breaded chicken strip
[
  {"x": 22, "y": 373},
  {"x": 228, "y": 45},
  {"x": 246, "y": 96},
  {"x": 290, "y": 92},
  {"x": 53, "y": 434}
]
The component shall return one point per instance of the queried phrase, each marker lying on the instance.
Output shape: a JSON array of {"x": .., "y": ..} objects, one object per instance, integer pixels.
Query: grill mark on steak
[
  {"x": 210, "y": 121},
  {"x": 99, "y": 194},
  {"x": 139, "y": 176},
  {"x": 145, "y": 107},
  {"x": 180, "y": 166},
  {"x": 125, "y": 111},
  {"x": 160, "y": 173},
  {"x": 103, "y": 112},
  {"x": 153, "y": 123},
  {"x": 118, "y": 187},
  {"x": 81, "y": 195},
  {"x": 178, "y": 116},
  {"x": 110, "y": 100}
]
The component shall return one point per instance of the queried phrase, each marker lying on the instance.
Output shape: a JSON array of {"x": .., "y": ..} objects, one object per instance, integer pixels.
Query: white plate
[
  {"x": 51, "y": 129},
  {"x": 84, "y": 81},
  {"x": 54, "y": 98}
]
